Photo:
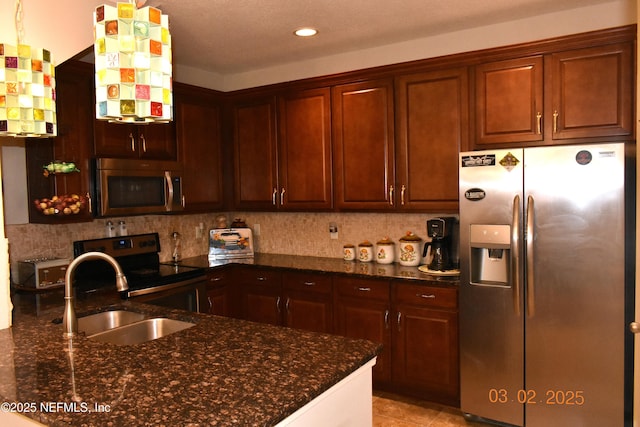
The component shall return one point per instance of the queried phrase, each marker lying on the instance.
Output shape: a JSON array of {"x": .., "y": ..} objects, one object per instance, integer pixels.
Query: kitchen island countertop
[{"x": 221, "y": 372}]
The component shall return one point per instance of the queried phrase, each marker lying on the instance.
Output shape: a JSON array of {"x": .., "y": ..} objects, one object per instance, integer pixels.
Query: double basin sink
[{"x": 122, "y": 327}]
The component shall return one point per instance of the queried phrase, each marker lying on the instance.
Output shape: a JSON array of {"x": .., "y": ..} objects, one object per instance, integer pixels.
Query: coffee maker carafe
[{"x": 440, "y": 230}]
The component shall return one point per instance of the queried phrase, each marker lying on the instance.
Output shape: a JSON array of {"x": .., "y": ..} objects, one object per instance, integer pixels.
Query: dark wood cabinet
[
  {"x": 570, "y": 96},
  {"x": 74, "y": 92},
  {"x": 364, "y": 149},
  {"x": 304, "y": 150},
  {"x": 255, "y": 153},
  {"x": 260, "y": 295},
  {"x": 308, "y": 301},
  {"x": 432, "y": 116},
  {"x": 425, "y": 342},
  {"x": 591, "y": 93},
  {"x": 509, "y": 101},
  {"x": 120, "y": 140},
  {"x": 199, "y": 137},
  {"x": 362, "y": 308},
  {"x": 220, "y": 295},
  {"x": 287, "y": 169}
]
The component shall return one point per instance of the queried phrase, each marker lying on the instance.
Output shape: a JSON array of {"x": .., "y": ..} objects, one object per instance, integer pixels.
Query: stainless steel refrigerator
[{"x": 542, "y": 285}]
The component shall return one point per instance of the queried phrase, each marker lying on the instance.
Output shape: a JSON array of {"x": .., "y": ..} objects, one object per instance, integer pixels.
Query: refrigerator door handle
[
  {"x": 530, "y": 256},
  {"x": 515, "y": 254}
]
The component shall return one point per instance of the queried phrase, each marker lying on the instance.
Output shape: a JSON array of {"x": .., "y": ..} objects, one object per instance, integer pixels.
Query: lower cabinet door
[
  {"x": 425, "y": 348},
  {"x": 311, "y": 313},
  {"x": 368, "y": 320}
]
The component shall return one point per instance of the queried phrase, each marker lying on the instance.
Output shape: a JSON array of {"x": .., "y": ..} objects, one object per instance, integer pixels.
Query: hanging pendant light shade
[
  {"x": 133, "y": 64},
  {"x": 27, "y": 88}
]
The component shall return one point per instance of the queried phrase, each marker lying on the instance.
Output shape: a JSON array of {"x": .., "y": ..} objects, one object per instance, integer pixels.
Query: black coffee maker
[{"x": 441, "y": 230}]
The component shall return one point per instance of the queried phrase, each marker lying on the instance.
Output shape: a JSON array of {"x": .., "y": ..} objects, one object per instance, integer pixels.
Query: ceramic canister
[
  {"x": 365, "y": 251},
  {"x": 410, "y": 250},
  {"x": 349, "y": 252},
  {"x": 385, "y": 251}
]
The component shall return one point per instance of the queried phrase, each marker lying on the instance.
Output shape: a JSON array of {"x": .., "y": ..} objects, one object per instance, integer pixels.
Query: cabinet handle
[
  {"x": 215, "y": 279},
  {"x": 273, "y": 196},
  {"x": 386, "y": 319},
  {"x": 286, "y": 305},
  {"x": 555, "y": 121},
  {"x": 210, "y": 305},
  {"x": 399, "y": 319},
  {"x": 144, "y": 143},
  {"x": 278, "y": 305},
  {"x": 363, "y": 289},
  {"x": 261, "y": 279},
  {"x": 133, "y": 142},
  {"x": 539, "y": 122},
  {"x": 309, "y": 283},
  {"x": 428, "y": 296},
  {"x": 282, "y": 196},
  {"x": 183, "y": 201},
  {"x": 391, "y": 195},
  {"x": 402, "y": 189},
  {"x": 90, "y": 203}
]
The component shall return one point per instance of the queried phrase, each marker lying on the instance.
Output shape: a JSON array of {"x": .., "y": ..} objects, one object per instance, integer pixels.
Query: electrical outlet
[
  {"x": 200, "y": 231},
  {"x": 333, "y": 230},
  {"x": 256, "y": 229}
]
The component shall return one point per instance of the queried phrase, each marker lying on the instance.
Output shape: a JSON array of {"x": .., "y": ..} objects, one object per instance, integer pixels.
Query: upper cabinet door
[
  {"x": 198, "y": 133},
  {"x": 364, "y": 149},
  {"x": 509, "y": 101},
  {"x": 591, "y": 92},
  {"x": 255, "y": 150},
  {"x": 432, "y": 128},
  {"x": 304, "y": 150},
  {"x": 120, "y": 140}
]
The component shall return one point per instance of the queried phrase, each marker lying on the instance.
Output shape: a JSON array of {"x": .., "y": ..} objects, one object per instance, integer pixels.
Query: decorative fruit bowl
[{"x": 61, "y": 205}]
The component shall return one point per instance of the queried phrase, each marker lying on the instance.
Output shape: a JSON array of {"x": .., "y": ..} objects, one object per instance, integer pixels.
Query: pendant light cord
[{"x": 19, "y": 21}]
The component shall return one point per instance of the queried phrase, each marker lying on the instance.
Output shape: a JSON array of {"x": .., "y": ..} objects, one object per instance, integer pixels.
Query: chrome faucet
[{"x": 69, "y": 320}]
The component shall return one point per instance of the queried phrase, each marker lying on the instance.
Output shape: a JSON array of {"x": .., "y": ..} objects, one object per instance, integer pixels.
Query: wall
[{"x": 282, "y": 233}]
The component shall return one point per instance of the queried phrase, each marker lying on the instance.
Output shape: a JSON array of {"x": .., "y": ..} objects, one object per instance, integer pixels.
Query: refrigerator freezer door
[
  {"x": 575, "y": 283},
  {"x": 491, "y": 312}
]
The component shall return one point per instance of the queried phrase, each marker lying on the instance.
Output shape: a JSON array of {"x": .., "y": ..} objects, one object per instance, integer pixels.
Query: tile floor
[{"x": 390, "y": 410}]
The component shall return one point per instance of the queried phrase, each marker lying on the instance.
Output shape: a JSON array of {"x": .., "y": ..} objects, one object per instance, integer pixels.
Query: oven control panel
[{"x": 137, "y": 244}]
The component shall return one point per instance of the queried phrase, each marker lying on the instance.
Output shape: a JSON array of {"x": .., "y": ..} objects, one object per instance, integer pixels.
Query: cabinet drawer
[
  {"x": 362, "y": 288},
  {"x": 258, "y": 276},
  {"x": 217, "y": 278},
  {"x": 426, "y": 296},
  {"x": 307, "y": 282}
]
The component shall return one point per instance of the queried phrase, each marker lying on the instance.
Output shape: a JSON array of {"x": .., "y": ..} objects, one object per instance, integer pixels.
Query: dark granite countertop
[
  {"x": 221, "y": 372},
  {"x": 328, "y": 265}
]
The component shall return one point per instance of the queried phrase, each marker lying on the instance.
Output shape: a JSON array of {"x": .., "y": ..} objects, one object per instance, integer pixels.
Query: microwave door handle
[{"x": 169, "y": 200}]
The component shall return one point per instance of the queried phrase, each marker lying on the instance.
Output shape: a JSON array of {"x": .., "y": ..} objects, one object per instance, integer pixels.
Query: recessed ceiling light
[{"x": 306, "y": 32}]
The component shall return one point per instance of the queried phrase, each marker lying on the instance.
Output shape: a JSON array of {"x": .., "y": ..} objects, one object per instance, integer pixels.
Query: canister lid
[
  {"x": 385, "y": 241},
  {"x": 348, "y": 245},
  {"x": 365, "y": 243},
  {"x": 410, "y": 237}
]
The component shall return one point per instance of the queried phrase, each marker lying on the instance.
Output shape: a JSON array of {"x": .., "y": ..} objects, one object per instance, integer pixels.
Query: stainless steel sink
[
  {"x": 106, "y": 320},
  {"x": 142, "y": 331}
]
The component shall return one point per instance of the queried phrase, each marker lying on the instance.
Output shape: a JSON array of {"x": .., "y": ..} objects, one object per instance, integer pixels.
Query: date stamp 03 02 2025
[{"x": 530, "y": 397}]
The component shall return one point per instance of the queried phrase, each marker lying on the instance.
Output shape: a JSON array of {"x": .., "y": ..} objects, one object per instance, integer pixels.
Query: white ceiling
[{"x": 235, "y": 36}]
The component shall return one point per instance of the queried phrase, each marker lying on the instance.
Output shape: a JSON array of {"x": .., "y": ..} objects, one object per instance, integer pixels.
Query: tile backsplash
[{"x": 279, "y": 232}]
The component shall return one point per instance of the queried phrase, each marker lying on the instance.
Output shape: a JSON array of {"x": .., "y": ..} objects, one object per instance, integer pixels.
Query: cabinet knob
[{"x": 634, "y": 327}]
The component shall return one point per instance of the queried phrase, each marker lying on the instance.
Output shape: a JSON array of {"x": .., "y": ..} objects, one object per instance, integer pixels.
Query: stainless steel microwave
[{"x": 136, "y": 186}]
